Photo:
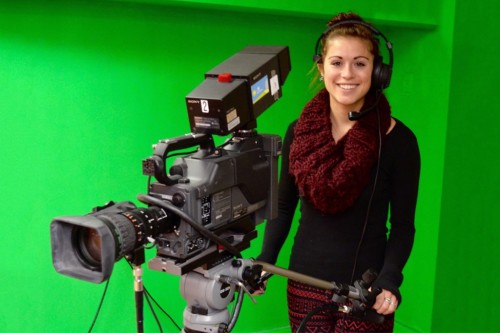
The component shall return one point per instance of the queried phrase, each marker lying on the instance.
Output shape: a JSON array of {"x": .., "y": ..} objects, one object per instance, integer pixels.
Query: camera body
[{"x": 228, "y": 190}]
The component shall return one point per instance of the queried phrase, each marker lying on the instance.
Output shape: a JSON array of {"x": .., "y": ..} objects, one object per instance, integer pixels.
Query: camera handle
[
  {"x": 360, "y": 299},
  {"x": 156, "y": 164},
  {"x": 136, "y": 259}
]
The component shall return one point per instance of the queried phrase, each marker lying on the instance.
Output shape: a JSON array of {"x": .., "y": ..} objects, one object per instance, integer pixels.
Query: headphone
[{"x": 381, "y": 76}]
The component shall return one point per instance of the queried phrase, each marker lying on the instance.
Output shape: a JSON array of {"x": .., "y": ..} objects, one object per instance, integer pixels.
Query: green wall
[
  {"x": 89, "y": 86},
  {"x": 467, "y": 262}
]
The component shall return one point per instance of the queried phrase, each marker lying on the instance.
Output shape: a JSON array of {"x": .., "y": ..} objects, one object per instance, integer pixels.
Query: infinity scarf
[{"x": 331, "y": 175}]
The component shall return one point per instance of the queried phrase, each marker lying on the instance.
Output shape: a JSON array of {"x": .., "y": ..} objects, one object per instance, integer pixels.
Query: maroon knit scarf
[{"x": 331, "y": 175}]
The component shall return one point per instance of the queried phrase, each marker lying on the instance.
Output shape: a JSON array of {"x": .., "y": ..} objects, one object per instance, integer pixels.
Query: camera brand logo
[
  {"x": 204, "y": 106},
  {"x": 225, "y": 289}
]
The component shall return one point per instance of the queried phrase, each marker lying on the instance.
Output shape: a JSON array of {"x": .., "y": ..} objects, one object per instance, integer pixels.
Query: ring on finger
[{"x": 388, "y": 300}]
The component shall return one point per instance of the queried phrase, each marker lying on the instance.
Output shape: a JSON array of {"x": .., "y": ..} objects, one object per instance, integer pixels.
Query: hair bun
[{"x": 348, "y": 16}]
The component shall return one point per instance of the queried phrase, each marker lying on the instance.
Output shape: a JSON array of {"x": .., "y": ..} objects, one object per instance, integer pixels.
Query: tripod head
[{"x": 208, "y": 293}]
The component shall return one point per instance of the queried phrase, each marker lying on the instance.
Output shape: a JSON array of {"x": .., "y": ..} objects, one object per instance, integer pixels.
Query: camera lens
[{"x": 88, "y": 246}]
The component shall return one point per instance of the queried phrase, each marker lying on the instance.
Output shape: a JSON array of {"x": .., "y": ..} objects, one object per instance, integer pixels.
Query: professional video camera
[{"x": 204, "y": 210}]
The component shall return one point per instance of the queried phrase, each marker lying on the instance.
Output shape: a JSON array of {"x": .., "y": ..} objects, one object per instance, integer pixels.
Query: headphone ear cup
[
  {"x": 317, "y": 59},
  {"x": 381, "y": 76}
]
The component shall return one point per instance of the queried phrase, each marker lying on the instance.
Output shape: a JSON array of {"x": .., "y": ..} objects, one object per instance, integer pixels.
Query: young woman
[{"x": 351, "y": 176}]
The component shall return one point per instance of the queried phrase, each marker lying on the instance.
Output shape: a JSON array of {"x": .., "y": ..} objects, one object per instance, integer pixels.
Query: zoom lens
[{"x": 86, "y": 247}]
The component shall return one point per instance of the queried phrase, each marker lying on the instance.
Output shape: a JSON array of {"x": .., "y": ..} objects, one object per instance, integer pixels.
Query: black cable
[
  {"x": 99, "y": 307},
  {"x": 189, "y": 220},
  {"x": 368, "y": 208},
  {"x": 146, "y": 292},
  {"x": 153, "y": 312},
  {"x": 149, "y": 297},
  {"x": 321, "y": 308}
]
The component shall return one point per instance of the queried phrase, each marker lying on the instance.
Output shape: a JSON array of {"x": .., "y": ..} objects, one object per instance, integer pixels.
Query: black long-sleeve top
[{"x": 326, "y": 246}]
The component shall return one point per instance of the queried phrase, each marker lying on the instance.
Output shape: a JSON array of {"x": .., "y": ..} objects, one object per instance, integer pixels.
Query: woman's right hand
[
  {"x": 261, "y": 290},
  {"x": 263, "y": 276}
]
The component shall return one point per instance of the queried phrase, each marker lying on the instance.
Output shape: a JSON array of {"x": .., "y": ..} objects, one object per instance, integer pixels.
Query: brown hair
[{"x": 350, "y": 29}]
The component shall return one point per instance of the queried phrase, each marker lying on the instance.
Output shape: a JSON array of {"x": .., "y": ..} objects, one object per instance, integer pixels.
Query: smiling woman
[
  {"x": 347, "y": 173},
  {"x": 346, "y": 72}
]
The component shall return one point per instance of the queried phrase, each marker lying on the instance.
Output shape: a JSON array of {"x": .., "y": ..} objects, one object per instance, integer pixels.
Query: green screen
[{"x": 89, "y": 86}]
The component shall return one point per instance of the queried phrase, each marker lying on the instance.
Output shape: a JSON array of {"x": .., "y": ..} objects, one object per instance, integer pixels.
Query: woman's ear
[{"x": 320, "y": 68}]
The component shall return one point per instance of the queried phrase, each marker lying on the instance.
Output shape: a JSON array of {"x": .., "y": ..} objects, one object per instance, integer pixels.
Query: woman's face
[{"x": 347, "y": 70}]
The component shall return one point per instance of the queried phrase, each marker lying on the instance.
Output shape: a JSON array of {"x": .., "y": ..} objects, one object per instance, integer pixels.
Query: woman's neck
[
  {"x": 340, "y": 126},
  {"x": 340, "y": 122}
]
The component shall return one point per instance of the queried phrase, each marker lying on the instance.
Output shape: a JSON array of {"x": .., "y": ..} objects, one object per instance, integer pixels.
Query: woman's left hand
[{"x": 385, "y": 303}]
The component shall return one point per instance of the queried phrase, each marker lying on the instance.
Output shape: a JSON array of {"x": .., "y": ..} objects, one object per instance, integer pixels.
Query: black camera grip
[{"x": 155, "y": 165}]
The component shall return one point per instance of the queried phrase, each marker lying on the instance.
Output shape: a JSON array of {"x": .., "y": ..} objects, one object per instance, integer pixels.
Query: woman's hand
[
  {"x": 261, "y": 290},
  {"x": 263, "y": 284},
  {"x": 385, "y": 303}
]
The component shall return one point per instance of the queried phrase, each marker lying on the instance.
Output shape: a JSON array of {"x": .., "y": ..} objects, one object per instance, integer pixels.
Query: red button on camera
[{"x": 225, "y": 77}]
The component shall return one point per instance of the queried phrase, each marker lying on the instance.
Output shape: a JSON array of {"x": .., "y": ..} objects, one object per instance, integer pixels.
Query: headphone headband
[{"x": 381, "y": 72}]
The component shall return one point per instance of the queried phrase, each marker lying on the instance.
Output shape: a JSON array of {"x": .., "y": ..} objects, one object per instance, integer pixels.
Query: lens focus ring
[{"x": 124, "y": 232}]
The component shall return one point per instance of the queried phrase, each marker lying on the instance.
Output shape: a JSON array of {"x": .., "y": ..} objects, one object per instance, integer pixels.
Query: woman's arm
[
  {"x": 404, "y": 190},
  {"x": 277, "y": 230}
]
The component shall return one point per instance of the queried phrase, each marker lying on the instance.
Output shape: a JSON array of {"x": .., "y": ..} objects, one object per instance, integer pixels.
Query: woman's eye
[
  {"x": 360, "y": 64},
  {"x": 335, "y": 63}
]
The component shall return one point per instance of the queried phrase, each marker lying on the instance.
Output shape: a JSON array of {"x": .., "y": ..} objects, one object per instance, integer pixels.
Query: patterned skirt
[{"x": 303, "y": 298}]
